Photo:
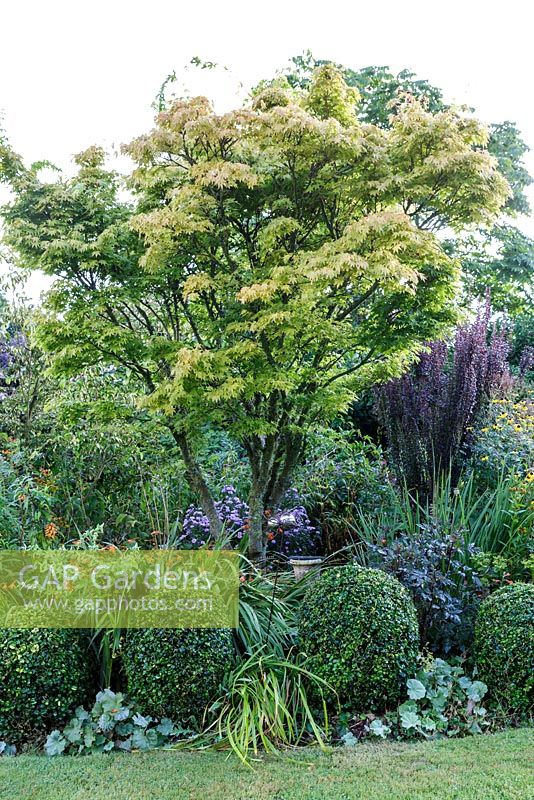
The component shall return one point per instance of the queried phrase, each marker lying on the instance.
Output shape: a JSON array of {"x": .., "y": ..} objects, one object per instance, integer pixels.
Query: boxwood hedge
[
  {"x": 359, "y": 628},
  {"x": 44, "y": 675},
  {"x": 504, "y": 645},
  {"x": 176, "y": 673}
]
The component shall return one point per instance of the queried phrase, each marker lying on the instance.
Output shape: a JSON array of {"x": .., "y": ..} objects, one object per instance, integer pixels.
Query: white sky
[{"x": 75, "y": 73}]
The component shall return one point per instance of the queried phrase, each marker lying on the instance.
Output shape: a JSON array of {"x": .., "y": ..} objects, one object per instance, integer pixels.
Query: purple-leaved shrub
[{"x": 427, "y": 413}]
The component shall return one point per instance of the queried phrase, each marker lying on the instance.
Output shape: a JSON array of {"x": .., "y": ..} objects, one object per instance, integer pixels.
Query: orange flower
[{"x": 51, "y": 531}]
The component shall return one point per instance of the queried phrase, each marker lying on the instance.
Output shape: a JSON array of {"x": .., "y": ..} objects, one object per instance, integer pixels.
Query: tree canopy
[
  {"x": 270, "y": 263},
  {"x": 500, "y": 258}
]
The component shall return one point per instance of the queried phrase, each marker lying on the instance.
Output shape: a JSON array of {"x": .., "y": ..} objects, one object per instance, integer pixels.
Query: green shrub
[
  {"x": 340, "y": 479},
  {"x": 504, "y": 645},
  {"x": 44, "y": 675},
  {"x": 176, "y": 673},
  {"x": 26, "y": 503},
  {"x": 503, "y": 439},
  {"x": 359, "y": 628}
]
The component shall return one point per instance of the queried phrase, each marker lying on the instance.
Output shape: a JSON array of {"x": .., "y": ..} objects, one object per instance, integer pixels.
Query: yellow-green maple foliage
[{"x": 276, "y": 260}]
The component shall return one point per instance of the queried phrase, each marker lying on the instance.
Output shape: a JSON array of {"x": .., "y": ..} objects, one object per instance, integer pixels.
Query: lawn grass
[{"x": 496, "y": 767}]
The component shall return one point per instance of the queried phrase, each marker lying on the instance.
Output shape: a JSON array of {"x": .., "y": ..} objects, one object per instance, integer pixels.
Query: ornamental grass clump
[
  {"x": 359, "y": 629},
  {"x": 267, "y": 613},
  {"x": 267, "y": 706}
]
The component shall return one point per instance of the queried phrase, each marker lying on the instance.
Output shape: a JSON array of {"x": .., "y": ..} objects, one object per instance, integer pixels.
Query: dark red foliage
[{"x": 426, "y": 414}]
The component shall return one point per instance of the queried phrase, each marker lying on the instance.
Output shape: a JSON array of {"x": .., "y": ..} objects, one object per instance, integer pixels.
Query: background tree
[
  {"x": 379, "y": 90},
  {"x": 22, "y": 380},
  {"x": 275, "y": 261},
  {"x": 501, "y": 261}
]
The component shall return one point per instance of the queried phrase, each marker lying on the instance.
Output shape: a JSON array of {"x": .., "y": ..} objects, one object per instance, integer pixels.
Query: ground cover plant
[
  {"x": 113, "y": 723},
  {"x": 442, "y": 701}
]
